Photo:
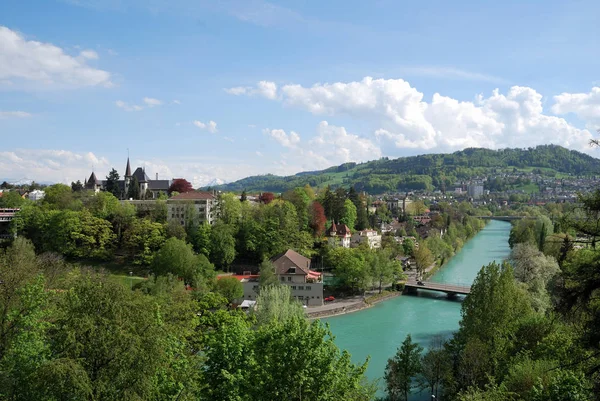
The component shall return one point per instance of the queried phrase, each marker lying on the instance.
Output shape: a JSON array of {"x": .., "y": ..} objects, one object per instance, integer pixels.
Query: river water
[{"x": 378, "y": 331}]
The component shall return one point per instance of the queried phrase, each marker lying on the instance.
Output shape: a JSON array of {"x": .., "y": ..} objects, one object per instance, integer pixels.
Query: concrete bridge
[{"x": 450, "y": 289}]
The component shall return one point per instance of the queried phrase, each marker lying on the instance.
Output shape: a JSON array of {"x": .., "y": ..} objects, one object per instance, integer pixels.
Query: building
[
  {"x": 371, "y": 237},
  {"x": 293, "y": 270},
  {"x": 36, "y": 195},
  {"x": 196, "y": 204},
  {"x": 475, "y": 191},
  {"x": 148, "y": 188},
  {"x": 339, "y": 235}
]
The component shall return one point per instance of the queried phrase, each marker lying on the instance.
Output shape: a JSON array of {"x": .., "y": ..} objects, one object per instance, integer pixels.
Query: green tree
[
  {"x": 142, "y": 239},
  {"x": 402, "y": 369},
  {"x": 178, "y": 258},
  {"x": 436, "y": 367},
  {"x": 382, "y": 268},
  {"x": 222, "y": 245},
  {"x": 423, "y": 258},
  {"x": 275, "y": 304},
  {"x": 348, "y": 214},
  {"x": 11, "y": 199},
  {"x": 408, "y": 245},
  {"x": 267, "y": 276},
  {"x": 230, "y": 208},
  {"x": 133, "y": 191},
  {"x": 230, "y": 288},
  {"x": 201, "y": 239},
  {"x": 112, "y": 183},
  {"x": 60, "y": 196}
]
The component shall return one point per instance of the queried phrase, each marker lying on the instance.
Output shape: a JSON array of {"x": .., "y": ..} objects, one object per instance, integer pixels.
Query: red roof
[
  {"x": 194, "y": 195},
  {"x": 340, "y": 230},
  {"x": 239, "y": 277}
]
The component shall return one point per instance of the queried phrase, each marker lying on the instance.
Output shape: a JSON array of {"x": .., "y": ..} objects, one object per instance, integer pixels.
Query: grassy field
[{"x": 123, "y": 273}]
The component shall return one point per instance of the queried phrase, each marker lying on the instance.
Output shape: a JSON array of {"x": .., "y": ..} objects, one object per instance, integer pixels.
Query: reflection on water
[{"x": 378, "y": 331}]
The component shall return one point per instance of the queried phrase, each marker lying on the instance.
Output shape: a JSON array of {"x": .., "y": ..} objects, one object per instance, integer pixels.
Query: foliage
[
  {"x": 222, "y": 244},
  {"x": 275, "y": 304},
  {"x": 402, "y": 369},
  {"x": 143, "y": 239},
  {"x": 423, "y": 258},
  {"x": 230, "y": 288},
  {"x": 178, "y": 258},
  {"x": 133, "y": 192},
  {"x": 317, "y": 219},
  {"x": 180, "y": 185},
  {"x": 349, "y": 214},
  {"x": 112, "y": 183},
  {"x": 267, "y": 275}
]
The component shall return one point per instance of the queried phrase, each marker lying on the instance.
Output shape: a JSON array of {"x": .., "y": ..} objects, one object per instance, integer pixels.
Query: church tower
[{"x": 127, "y": 178}]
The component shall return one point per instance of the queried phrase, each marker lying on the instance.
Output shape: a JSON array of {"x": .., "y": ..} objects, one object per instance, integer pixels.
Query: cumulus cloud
[
  {"x": 399, "y": 115},
  {"x": 290, "y": 140},
  {"x": 128, "y": 107},
  {"x": 151, "y": 102},
  {"x": 210, "y": 126},
  {"x": 14, "y": 114},
  {"x": 331, "y": 145},
  {"x": 45, "y": 64},
  {"x": 50, "y": 165},
  {"x": 584, "y": 105},
  {"x": 265, "y": 89}
]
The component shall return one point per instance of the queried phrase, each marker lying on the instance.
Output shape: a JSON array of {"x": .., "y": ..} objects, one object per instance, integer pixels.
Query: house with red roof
[
  {"x": 339, "y": 235},
  {"x": 293, "y": 270}
]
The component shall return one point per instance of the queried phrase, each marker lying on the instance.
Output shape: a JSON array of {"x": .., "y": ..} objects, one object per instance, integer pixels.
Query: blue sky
[{"x": 224, "y": 89}]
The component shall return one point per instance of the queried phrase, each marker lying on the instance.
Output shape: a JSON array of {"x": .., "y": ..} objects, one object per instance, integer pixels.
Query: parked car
[
  {"x": 329, "y": 298},
  {"x": 420, "y": 282}
]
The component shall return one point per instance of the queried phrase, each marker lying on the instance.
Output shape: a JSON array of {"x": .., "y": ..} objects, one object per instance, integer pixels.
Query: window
[
  {"x": 318, "y": 297},
  {"x": 301, "y": 288},
  {"x": 289, "y": 279},
  {"x": 300, "y": 297},
  {"x": 255, "y": 287},
  {"x": 282, "y": 278},
  {"x": 293, "y": 288},
  {"x": 292, "y": 270},
  {"x": 308, "y": 287}
]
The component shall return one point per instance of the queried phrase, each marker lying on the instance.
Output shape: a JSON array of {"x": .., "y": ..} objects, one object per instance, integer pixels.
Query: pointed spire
[{"x": 128, "y": 168}]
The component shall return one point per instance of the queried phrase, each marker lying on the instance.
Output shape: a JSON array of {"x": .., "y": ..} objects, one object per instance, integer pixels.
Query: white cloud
[
  {"x": 14, "y": 114},
  {"x": 584, "y": 105},
  {"x": 128, "y": 107},
  {"x": 211, "y": 126},
  {"x": 265, "y": 89},
  {"x": 290, "y": 140},
  {"x": 330, "y": 146},
  {"x": 89, "y": 55},
  {"x": 51, "y": 165},
  {"x": 176, "y": 101},
  {"x": 259, "y": 154},
  {"x": 45, "y": 64},
  {"x": 151, "y": 102},
  {"x": 398, "y": 114},
  {"x": 238, "y": 90}
]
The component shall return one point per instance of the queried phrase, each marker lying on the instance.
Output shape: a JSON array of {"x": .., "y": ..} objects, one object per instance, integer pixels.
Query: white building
[
  {"x": 36, "y": 195},
  {"x": 371, "y": 237},
  {"x": 200, "y": 205},
  {"x": 293, "y": 270}
]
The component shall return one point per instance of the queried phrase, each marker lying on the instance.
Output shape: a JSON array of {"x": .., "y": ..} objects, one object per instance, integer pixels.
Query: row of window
[
  {"x": 300, "y": 297},
  {"x": 301, "y": 288}
]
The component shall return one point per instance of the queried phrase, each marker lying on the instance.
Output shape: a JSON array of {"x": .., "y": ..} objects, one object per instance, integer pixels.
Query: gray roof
[
  {"x": 159, "y": 185},
  {"x": 140, "y": 174}
]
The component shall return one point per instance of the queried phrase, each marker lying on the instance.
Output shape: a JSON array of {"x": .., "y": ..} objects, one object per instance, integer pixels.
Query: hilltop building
[
  {"x": 148, "y": 188},
  {"x": 371, "y": 237}
]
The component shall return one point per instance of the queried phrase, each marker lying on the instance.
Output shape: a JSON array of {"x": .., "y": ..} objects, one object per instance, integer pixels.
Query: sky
[{"x": 224, "y": 89}]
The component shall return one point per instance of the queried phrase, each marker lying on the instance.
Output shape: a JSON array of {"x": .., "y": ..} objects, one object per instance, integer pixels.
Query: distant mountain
[
  {"x": 215, "y": 182},
  {"x": 428, "y": 171}
]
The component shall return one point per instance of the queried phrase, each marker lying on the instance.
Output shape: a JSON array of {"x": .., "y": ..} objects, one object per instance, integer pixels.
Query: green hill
[{"x": 429, "y": 171}]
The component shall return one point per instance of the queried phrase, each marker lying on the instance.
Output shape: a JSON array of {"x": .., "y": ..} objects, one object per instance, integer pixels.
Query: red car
[{"x": 329, "y": 298}]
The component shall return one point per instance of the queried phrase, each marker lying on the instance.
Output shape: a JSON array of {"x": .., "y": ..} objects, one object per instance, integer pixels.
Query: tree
[
  {"x": 408, "y": 246},
  {"x": 423, "y": 258},
  {"x": 350, "y": 268},
  {"x": 349, "y": 214},
  {"x": 267, "y": 276},
  {"x": 112, "y": 183},
  {"x": 243, "y": 197},
  {"x": 222, "y": 244},
  {"x": 230, "y": 288},
  {"x": 382, "y": 269},
  {"x": 76, "y": 186},
  {"x": 178, "y": 258},
  {"x": 11, "y": 199},
  {"x": 401, "y": 369},
  {"x": 266, "y": 198},
  {"x": 317, "y": 219},
  {"x": 134, "y": 189},
  {"x": 436, "y": 367},
  {"x": 180, "y": 185},
  {"x": 201, "y": 239},
  {"x": 143, "y": 239},
  {"x": 59, "y": 196},
  {"x": 230, "y": 208},
  {"x": 275, "y": 304}
]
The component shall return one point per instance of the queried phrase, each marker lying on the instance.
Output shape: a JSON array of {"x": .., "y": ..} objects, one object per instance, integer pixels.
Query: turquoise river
[{"x": 378, "y": 331}]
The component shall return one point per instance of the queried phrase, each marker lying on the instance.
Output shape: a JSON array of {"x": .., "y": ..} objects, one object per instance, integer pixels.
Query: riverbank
[{"x": 355, "y": 304}]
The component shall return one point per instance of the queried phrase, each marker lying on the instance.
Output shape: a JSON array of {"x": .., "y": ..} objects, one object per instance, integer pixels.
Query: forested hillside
[{"x": 428, "y": 171}]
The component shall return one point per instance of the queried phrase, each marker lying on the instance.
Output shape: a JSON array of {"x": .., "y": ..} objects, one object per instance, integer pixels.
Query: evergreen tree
[
  {"x": 401, "y": 369},
  {"x": 112, "y": 183},
  {"x": 134, "y": 189},
  {"x": 76, "y": 186}
]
